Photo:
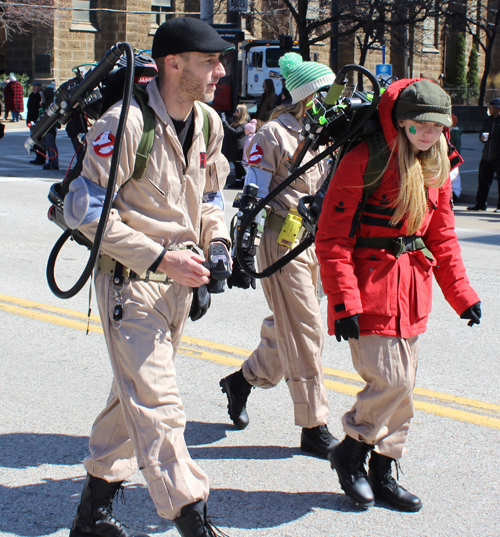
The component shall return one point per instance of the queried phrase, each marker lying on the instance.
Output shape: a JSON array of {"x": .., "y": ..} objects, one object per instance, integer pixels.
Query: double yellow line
[{"x": 432, "y": 402}]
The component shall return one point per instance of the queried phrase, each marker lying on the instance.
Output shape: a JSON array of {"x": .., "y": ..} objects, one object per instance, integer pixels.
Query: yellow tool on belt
[{"x": 290, "y": 230}]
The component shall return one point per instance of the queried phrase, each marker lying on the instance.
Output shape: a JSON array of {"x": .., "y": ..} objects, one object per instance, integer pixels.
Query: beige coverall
[
  {"x": 292, "y": 336},
  {"x": 143, "y": 423}
]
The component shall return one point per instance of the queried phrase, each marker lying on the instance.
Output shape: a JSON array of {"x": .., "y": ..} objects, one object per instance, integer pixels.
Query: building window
[
  {"x": 42, "y": 64},
  {"x": 430, "y": 35},
  {"x": 161, "y": 11},
  {"x": 84, "y": 19}
]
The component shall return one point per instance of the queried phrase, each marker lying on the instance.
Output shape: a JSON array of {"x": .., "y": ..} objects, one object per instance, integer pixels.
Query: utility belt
[
  {"x": 108, "y": 265},
  {"x": 290, "y": 228},
  {"x": 398, "y": 245}
]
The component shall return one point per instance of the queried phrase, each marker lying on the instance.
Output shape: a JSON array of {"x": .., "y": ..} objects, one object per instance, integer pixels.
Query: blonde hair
[
  {"x": 297, "y": 110},
  {"x": 417, "y": 173},
  {"x": 241, "y": 114}
]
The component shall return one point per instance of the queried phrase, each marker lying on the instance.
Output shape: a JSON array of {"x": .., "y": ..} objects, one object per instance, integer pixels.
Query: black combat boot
[
  {"x": 193, "y": 522},
  {"x": 385, "y": 487},
  {"x": 317, "y": 440},
  {"x": 237, "y": 389},
  {"x": 348, "y": 459},
  {"x": 94, "y": 517}
]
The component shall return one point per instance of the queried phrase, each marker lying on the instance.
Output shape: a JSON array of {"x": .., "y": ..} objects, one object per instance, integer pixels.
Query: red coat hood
[{"x": 386, "y": 108}]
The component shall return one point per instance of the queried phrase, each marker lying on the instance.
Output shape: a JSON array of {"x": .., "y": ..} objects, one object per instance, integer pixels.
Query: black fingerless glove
[
  {"x": 473, "y": 313},
  {"x": 347, "y": 327},
  {"x": 239, "y": 278}
]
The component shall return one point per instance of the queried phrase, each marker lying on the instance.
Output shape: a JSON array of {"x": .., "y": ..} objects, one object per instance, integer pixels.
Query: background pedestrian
[
  {"x": 13, "y": 96},
  {"x": 266, "y": 102},
  {"x": 234, "y": 140},
  {"x": 490, "y": 159},
  {"x": 32, "y": 112}
]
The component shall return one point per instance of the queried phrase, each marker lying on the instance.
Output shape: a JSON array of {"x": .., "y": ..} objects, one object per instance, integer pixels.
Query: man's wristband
[
  {"x": 156, "y": 264},
  {"x": 225, "y": 242}
]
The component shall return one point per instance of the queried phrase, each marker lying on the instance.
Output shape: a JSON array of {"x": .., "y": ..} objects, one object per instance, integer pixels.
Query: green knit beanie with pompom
[{"x": 304, "y": 78}]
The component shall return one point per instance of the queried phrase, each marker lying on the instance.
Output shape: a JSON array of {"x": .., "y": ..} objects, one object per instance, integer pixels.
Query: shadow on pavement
[
  {"x": 49, "y": 505},
  {"x": 25, "y": 450}
]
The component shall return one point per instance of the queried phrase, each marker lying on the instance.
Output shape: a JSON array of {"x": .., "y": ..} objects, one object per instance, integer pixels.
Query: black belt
[{"x": 398, "y": 245}]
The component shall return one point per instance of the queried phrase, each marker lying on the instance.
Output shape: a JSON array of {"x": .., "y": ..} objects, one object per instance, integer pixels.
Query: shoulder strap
[
  {"x": 206, "y": 126},
  {"x": 378, "y": 156},
  {"x": 148, "y": 133}
]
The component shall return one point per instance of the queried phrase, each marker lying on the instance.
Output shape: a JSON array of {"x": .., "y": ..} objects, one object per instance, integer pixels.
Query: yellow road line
[{"x": 34, "y": 310}]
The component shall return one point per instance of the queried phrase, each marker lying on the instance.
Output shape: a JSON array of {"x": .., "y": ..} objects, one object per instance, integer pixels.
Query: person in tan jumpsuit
[
  {"x": 292, "y": 336},
  {"x": 148, "y": 269}
]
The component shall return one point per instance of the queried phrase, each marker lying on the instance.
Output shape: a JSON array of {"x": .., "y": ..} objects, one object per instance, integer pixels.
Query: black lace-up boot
[
  {"x": 193, "y": 522},
  {"x": 317, "y": 440},
  {"x": 348, "y": 459},
  {"x": 237, "y": 389},
  {"x": 94, "y": 517},
  {"x": 385, "y": 487}
]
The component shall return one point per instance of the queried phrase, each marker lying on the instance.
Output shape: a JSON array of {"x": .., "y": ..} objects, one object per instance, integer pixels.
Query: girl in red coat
[{"x": 377, "y": 258}]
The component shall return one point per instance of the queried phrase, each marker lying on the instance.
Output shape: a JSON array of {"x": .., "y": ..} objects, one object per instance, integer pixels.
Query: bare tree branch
[{"x": 20, "y": 16}]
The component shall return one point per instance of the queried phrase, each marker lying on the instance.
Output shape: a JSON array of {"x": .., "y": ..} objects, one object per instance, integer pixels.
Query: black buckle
[{"x": 402, "y": 245}]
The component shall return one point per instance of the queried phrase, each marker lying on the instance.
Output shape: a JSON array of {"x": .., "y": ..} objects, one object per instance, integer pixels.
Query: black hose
[
  {"x": 108, "y": 201},
  {"x": 292, "y": 254}
]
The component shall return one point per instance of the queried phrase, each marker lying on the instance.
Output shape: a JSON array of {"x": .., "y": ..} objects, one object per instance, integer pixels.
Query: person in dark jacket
[
  {"x": 266, "y": 102},
  {"x": 234, "y": 140},
  {"x": 33, "y": 108},
  {"x": 490, "y": 160},
  {"x": 376, "y": 265},
  {"x": 75, "y": 126},
  {"x": 50, "y": 136},
  {"x": 13, "y": 96}
]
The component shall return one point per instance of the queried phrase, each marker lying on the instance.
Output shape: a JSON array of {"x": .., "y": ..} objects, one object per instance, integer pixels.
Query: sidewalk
[{"x": 471, "y": 153}]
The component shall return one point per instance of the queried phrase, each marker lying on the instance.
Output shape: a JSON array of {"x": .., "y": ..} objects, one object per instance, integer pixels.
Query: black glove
[
  {"x": 347, "y": 327},
  {"x": 473, "y": 313},
  {"x": 201, "y": 302},
  {"x": 239, "y": 278}
]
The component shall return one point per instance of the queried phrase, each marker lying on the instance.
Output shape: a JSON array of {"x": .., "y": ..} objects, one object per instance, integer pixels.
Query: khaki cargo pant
[
  {"x": 292, "y": 337},
  {"x": 384, "y": 407},
  {"x": 143, "y": 423}
]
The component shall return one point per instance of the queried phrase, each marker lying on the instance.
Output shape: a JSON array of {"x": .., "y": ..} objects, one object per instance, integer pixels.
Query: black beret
[{"x": 185, "y": 34}]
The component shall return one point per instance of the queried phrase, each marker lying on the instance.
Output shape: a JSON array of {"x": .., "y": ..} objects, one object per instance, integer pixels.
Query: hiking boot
[
  {"x": 385, "y": 487},
  {"x": 94, "y": 517},
  {"x": 317, "y": 440},
  {"x": 237, "y": 389},
  {"x": 193, "y": 522},
  {"x": 348, "y": 459}
]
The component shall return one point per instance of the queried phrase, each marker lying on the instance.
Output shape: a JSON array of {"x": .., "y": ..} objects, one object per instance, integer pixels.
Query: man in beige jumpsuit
[
  {"x": 292, "y": 336},
  {"x": 153, "y": 225}
]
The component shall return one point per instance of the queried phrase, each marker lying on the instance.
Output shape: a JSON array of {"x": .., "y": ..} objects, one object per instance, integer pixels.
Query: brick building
[{"x": 83, "y": 30}]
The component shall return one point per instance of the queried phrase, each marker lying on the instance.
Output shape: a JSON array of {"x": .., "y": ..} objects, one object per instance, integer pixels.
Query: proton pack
[{"x": 340, "y": 122}]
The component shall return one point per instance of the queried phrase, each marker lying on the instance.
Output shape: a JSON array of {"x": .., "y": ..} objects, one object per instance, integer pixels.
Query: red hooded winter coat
[{"x": 393, "y": 295}]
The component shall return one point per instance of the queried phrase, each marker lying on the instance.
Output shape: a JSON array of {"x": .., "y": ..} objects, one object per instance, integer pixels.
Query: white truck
[{"x": 259, "y": 60}]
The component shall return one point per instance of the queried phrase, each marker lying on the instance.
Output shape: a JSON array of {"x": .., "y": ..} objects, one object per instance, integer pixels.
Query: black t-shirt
[{"x": 185, "y": 130}]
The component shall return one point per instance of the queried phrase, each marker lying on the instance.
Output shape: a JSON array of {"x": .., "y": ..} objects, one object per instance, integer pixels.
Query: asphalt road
[{"x": 55, "y": 379}]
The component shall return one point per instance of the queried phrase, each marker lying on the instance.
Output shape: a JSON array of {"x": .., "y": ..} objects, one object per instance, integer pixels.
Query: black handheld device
[{"x": 218, "y": 260}]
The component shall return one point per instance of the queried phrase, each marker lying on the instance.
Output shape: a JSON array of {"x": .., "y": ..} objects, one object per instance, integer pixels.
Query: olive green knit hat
[
  {"x": 304, "y": 78},
  {"x": 424, "y": 100}
]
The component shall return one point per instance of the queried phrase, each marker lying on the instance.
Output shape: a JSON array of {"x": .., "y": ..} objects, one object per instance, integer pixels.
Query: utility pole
[
  {"x": 207, "y": 11},
  {"x": 334, "y": 40}
]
